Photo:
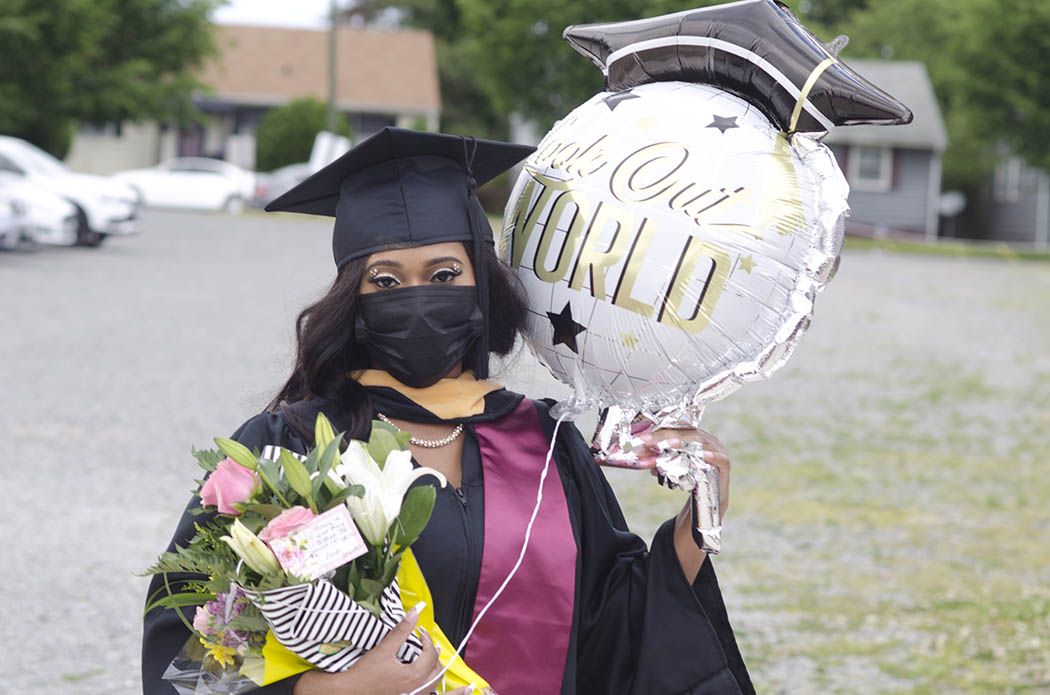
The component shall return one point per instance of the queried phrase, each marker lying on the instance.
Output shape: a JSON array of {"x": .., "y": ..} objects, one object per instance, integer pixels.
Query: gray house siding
[
  {"x": 1018, "y": 219},
  {"x": 903, "y": 207}
]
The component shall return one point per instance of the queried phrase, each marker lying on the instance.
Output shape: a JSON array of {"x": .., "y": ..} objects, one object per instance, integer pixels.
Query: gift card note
[{"x": 327, "y": 542}]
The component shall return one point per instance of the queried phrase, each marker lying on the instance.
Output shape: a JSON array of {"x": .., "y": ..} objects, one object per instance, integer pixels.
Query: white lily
[
  {"x": 385, "y": 487},
  {"x": 250, "y": 549}
]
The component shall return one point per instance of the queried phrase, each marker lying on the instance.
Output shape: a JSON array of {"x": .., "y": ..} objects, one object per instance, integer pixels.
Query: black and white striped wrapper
[{"x": 326, "y": 627}]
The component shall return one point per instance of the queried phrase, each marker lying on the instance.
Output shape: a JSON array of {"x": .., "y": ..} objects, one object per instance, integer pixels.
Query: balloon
[
  {"x": 756, "y": 49},
  {"x": 672, "y": 233},
  {"x": 670, "y": 241}
]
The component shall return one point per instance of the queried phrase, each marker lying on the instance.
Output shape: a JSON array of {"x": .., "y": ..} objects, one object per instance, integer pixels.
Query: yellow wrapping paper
[{"x": 279, "y": 663}]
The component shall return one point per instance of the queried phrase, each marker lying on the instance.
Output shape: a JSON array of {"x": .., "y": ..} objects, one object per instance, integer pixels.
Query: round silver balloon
[{"x": 671, "y": 242}]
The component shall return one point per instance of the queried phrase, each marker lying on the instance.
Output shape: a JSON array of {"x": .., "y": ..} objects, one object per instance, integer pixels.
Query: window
[{"x": 871, "y": 168}]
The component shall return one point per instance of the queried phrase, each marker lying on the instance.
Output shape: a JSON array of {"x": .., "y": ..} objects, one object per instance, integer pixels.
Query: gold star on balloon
[
  {"x": 646, "y": 123},
  {"x": 747, "y": 263},
  {"x": 629, "y": 339}
]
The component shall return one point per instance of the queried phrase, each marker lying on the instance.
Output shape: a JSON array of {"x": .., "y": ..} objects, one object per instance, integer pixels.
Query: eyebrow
[
  {"x": 443, "y": 259},
  {"x": 383, "y": 261},
  {"x": 396, "y": 264}
]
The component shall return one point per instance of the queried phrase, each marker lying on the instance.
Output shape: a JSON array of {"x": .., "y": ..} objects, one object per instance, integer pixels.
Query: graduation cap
[
  {"x": 756, "y": 49},
  {"x": 402, "y": 188}
]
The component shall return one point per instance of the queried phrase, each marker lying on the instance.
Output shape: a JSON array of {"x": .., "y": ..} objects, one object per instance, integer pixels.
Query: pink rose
[
  {"x": 282, "y": 525},
  {"x": 228, "y": 484}
]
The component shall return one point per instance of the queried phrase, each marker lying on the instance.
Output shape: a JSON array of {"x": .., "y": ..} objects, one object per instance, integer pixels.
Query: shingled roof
[
  {"x": 378, "y": 70},
  {"x": 909, "y": 82}
]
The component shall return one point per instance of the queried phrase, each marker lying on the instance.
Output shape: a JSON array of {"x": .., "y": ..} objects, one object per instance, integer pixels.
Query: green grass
[
  {"x": 890, "y": 521},
  {"x": 949, "y": 247}
]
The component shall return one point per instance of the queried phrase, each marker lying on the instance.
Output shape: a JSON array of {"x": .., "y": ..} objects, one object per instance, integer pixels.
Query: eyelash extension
[
  {"x": 375, "y": 277},
  {"x": 456, "y": 271}
]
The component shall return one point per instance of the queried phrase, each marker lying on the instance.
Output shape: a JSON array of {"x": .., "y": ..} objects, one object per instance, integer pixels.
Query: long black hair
[{"x": 327, "y": 350}]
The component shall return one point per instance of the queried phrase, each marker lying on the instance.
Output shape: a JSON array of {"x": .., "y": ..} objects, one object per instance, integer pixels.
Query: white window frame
[{"x": 880, "y": 184}]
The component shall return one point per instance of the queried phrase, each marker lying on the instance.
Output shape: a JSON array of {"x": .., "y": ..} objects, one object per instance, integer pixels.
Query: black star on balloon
[
  {"x": 614, "y": 100},
  {"x": 565, "y": 329},
  {"x": 723, "y": 123}
]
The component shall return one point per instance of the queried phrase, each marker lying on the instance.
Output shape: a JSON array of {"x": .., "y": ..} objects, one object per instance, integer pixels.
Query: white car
[
  {"x": 192, "y": 182},
  {"x": 12, "y": 212},
  {"x": 47, "y": 218},
  {"x": 104, "y": 207}
]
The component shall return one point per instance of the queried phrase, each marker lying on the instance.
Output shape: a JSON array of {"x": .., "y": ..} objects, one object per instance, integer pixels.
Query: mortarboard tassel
[{"x": 482, "y": 234}]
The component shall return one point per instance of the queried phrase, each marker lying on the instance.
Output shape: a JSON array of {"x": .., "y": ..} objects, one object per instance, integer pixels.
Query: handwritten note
[{"x": 327, "y": 542}]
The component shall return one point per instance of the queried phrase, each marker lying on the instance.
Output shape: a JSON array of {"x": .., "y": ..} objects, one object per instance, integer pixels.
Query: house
[
  {"x": 894, "y": 172},
  {"x": 1014, "y": 205},
  {"x": 383, "y": 77}
]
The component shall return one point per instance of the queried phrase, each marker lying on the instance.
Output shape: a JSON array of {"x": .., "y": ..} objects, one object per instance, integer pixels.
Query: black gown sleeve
[
  {"x": 164, "y": 634},
  {"x": 642, "y": 628}
]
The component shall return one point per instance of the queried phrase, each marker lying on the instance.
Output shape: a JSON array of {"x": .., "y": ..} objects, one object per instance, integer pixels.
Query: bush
[{"x": 285, "y": 135}]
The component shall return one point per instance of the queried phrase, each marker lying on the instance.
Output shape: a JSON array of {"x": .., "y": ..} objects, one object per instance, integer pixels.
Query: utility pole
[{"x": 330, "y": 119}]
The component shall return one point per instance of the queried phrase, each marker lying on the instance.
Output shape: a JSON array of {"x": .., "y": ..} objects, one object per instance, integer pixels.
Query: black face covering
[{"x": 419, "y": 334}]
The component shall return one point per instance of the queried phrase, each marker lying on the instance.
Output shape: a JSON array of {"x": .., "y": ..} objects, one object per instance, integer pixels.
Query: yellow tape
[{"x": 806, "y": 88}]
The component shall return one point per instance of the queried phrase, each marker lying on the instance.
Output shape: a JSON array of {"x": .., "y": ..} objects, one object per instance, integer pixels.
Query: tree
[
  {"x": 97, "y": 61},
  {"x": 285, "y": 135},
  {"x": 523, "y": 63},
  {"x": 986, "y": 59}
]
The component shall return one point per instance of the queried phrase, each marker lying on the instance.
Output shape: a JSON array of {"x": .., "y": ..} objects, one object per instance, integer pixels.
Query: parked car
[
  {"x": 269, "y": 186},
  {"x": 104, "y": 206},
  {"x": 12, "y": 213},
  {"x": 192, "y": 182},
  {"x": 48, "y": 218}
]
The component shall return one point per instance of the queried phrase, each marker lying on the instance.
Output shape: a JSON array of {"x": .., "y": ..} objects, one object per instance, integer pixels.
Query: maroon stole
[{"x": 521, "y": 644}]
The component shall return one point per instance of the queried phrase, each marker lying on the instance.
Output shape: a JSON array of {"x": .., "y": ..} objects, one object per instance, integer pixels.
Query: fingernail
[{"x": 417, "y": 609}]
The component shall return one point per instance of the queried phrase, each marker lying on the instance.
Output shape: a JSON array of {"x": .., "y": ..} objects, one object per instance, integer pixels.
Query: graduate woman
[{"x": 404, "y": 335}]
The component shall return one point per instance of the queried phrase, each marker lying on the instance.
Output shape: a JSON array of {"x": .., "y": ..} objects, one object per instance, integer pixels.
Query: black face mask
[{"x": 419, "y": 334}]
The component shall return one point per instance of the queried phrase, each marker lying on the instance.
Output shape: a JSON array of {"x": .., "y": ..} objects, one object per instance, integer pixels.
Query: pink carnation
[
  {"x": 282, "y": 525},
  {"x": 202, "y": 621},
  {"x": 228, "y": 484}
]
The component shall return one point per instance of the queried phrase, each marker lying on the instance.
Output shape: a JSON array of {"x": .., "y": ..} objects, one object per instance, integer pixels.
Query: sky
[{"x": 309, "y": 14}]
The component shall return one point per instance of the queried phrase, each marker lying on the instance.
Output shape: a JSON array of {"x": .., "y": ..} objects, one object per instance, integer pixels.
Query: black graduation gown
[{"x": 639, "y": 627}]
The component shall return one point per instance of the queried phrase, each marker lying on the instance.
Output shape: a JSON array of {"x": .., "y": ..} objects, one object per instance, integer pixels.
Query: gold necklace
[{"x": 428, "y": 443}]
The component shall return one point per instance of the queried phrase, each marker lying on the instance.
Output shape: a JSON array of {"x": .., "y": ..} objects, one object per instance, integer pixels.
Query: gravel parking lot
[{"x": 889, "y": 530}]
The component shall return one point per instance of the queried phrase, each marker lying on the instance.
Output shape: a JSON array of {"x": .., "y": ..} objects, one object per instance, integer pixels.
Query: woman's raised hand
[
  {"x": 713, "y": 451},
  {"x": 379, "y": 671}
]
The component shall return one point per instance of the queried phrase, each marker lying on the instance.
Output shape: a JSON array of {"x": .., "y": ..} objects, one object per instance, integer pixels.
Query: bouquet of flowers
[{"x": 297, "y": 559}]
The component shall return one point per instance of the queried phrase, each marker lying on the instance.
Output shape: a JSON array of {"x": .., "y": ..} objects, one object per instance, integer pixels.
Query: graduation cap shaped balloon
[
  {"x": 402, "y": 188},
  {"x": 756, "y": 49}
]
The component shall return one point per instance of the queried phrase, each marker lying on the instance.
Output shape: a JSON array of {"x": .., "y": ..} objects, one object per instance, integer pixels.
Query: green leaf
[
  {"x": 297, "y": 476},
  {"x": 323, "y": 433},
  {"x": 328, "y": 459},
  {"x": 390, "y": 571},
  {"x": 400, "y": 436},
  {"x": 372, "y": 587},
  {"x": 208, "y": 459},
  {"x": 267, "y": 511},
  {"x": 380, "y": 444},
  {"x": 311, "y": 460},
  {"x": 415, "y": 513},
  {"x": 348, "y": 491},
  {"x": 403, "y": 438},
  {"x": 237, "y": 452}
]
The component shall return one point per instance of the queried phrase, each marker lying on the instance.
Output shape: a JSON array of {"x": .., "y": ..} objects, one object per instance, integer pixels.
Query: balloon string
[
  {"x": 513, "y": 571},
  {"x": 806, "y": 89}
]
